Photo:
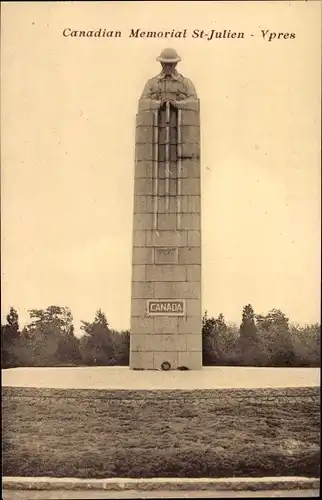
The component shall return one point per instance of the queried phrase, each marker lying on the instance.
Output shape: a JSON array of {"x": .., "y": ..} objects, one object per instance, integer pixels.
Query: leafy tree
[
  {"x": 213, "y": 330},
  {"x": 9, "y": 337},
  {"x": 46, "y": 335},
  {"x": 276, "y": 318},
  {"x": 275, "y": 337},
  {"x": 55, "y": 318},
  {"x": 13, "y": 323},
  {"x": 307, "y": 344},
  {"x": 232, "y": 335},
  {"x": 247, "y": 350},
  {"x": 68, "y": 348},
  {"x": 121, "y": 345},
  {"x": 228, "y": 345},
  {"x": 97, "y": 345},
  {"x": 247, "y": 330}
]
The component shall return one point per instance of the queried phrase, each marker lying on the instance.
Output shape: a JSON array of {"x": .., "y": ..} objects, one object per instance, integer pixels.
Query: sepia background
[{"x": 68, "y": 124}]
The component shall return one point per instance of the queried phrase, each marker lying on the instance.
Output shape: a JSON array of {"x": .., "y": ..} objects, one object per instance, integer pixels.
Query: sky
[{"x": 68, "y": 124}]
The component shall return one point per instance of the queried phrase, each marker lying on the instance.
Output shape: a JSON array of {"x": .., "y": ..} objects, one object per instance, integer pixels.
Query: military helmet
[{"x": 169, "y": 56}]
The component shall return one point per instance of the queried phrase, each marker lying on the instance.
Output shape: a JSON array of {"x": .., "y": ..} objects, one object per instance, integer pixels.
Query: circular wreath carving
[{"x": 165, "y": 366}]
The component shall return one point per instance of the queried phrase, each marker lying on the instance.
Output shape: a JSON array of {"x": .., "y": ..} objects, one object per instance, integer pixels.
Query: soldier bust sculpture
[{"x": 169, "y": 85}]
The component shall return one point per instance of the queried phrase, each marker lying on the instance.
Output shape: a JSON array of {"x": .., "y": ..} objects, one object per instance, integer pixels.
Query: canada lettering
[{"x": 166, "y": 307}]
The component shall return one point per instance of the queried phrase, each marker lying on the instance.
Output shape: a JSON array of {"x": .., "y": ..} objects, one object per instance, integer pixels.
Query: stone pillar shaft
[{"x": 166, "y": 259}]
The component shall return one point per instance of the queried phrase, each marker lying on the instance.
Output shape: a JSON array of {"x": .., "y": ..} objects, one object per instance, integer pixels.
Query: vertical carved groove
[
  {"x": 155, "y": 167},
  {"x": 179, "y": 154},
  {"x": 167, "y": 155}
]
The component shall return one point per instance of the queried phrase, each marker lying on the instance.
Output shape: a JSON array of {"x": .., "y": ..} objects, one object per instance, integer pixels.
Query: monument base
[
  {"x": 121, "y": 378},
  {"x": 166, "y": 360}
]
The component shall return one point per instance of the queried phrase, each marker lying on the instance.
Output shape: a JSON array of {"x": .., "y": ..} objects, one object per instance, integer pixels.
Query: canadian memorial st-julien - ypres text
[{"x": 198, "y": 34}]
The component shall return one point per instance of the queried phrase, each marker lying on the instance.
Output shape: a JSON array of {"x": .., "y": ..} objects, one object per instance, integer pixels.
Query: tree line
[
  {"x": 49, "y": 340},
  {"x": 268, "y": 340}
]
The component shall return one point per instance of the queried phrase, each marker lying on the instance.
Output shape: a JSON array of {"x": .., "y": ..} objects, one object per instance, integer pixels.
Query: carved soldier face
[{"x": 168, "y": 68}]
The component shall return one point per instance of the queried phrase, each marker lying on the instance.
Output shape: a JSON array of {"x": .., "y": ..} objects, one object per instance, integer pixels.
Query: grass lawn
[{"x": 213, "y": 433}]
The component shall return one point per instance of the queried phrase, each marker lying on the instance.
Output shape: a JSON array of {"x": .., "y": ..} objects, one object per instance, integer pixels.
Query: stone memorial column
[{"x": 166, "y": 259}]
